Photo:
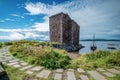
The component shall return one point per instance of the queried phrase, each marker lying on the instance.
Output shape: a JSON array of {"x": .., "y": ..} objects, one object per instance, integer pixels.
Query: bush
[
  {"x": 50, "y": 58},
  {"x": 55, "y": 60},
  {"x": 0, "y": 45},
  {"x": 7, "y": 43}
]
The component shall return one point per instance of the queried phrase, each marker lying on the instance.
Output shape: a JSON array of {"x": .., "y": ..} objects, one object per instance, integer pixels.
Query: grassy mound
[
  {"x": 104, "y": 59},
  {"x": 38, "y": 55}
]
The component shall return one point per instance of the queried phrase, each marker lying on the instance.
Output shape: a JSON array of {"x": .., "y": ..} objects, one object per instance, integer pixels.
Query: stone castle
[{"x": 64, "y": 30}]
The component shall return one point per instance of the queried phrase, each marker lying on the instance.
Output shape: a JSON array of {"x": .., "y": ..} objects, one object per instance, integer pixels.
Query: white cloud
[
  {"x": 100, "y": 17},
  {"x": 24, "y": 35},
  {"x": 12, "y": 36},
  {"x": 42, "y": 26},
  {"x": 31, "y": 35},
  {"x": 16, "y": 30},
  {"x": 93, "y": 16},
  {"x": 8, "y": 19},
  {"x": 16, "y": 15},
  {"x": 36, "y": 9}
]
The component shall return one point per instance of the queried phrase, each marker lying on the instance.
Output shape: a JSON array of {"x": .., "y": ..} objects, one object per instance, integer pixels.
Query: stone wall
[
  {"x": 64, "y": 30},
  {"x": 75, "y": 33},
  {"x": 55, "y": 28}
]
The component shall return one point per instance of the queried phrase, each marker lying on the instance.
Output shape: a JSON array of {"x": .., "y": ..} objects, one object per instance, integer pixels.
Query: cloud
[
  {"x": 100, "y": 17},
  {"x": 31, "y": 35},
  {"x": 93, "y": 16},
  {"x": 36, "y": 9},
  {"x": 8, "y": 19},
  {"x": 16, "y": 30},
  {"x": 12, "y": 36},
  {"x": 42, "y": 26},
  {"x": 16, "y": 15},
  {"x": 2, "y": 21},
  {"x": 25, "y": 35}
]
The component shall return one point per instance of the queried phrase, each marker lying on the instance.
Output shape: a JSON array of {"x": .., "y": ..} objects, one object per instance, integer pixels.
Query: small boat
[
  {"x": 111, "y": 47},
  {"x": 93, "y": 47}
]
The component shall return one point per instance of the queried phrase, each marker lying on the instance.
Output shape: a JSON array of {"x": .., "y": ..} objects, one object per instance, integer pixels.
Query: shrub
[
  {"x": 7, "y": 43},
  {"x": 55, "y": 60},
  {"x": 0, "y": 45},
  {"x": 50, "y": 58}
]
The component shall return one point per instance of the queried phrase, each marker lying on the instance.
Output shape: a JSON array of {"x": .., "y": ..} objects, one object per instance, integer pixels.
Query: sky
[{"x": 29, "y": 19}]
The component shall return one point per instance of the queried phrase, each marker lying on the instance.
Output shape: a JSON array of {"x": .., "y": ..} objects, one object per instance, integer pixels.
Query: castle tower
[{"x": 63, "y": 29}]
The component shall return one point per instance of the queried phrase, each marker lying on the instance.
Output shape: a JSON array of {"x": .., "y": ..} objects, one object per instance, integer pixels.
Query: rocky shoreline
[{"x": 68, "y": 47}]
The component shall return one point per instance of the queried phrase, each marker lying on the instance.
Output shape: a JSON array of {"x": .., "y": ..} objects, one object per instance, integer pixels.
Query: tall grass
[{"x": 104, "y": 59}]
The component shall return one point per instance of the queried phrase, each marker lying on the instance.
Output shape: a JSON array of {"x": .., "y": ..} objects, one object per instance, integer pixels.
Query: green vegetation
[
  {"x": 15, "y": 74},
  {"x": 117, "y": 77},
  {"x": 35, "y": 54},
  {"x": 3, "y": 44},
  {"x": 104, "y": 59},
  {"x": 0, "y": 45}
]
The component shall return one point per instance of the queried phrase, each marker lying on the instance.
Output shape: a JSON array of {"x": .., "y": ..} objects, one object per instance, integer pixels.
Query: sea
[{"x": 101, "y": 45}]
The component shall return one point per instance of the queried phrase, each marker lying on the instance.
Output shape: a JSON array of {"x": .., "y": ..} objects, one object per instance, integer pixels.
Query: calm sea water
[{"x": 101, "y": 45}]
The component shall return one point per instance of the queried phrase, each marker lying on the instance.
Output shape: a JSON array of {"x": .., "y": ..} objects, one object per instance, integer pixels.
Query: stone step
[
  {"x": 23, "y": 63},
  {"x": 80, "y": 70},
  {"x": 29, "y": 72},
  {"x": 44, "y": 74},
  {"x": 59, "y": 70},
  {"x": 71, "y": 70},
  {"x": 26, "y": 67},
  {"x": 17, "y": 65},
  {"x": 100, "y": 69},
  {"x": 58, "y": 76},
  {"x": 117, "y": 67},
  {"x": 13, "y": 63},
  {"x": 84, "y": 77},
  {"x": 114, "y": 71},
  {"x": 108, "y": 74},
  {"x": 70, "y": 75},
  {"x": 37, "y": 68},
  {"x": 96, "y": 75}
]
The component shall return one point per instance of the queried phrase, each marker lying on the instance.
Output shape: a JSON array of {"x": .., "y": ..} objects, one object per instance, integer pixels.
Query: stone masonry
[{"x": 64, "y": 30}]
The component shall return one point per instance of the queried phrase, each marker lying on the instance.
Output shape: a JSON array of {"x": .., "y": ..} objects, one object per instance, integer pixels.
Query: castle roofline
[
  {"x": 61, "y": 13},
  {"x": 76, "y": 23}
]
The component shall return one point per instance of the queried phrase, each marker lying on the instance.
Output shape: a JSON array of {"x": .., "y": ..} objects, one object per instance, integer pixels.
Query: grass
[
  {"x": 31, "y": 52},
  {"x": 103, "y": 59},
  {"x": 117, "y": 77},
  {"x": 15, "y": 74},
  {"x": 37, "y": 55}
]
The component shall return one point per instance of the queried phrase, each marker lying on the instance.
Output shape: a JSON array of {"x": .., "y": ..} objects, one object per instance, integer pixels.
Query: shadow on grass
[{"x": 3, "y": 74}]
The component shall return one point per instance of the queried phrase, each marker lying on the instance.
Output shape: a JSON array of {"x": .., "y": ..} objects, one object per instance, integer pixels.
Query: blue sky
[{"x": 22, "y": 19}]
